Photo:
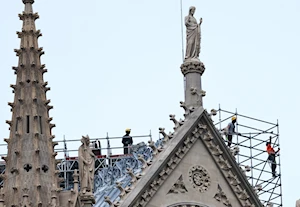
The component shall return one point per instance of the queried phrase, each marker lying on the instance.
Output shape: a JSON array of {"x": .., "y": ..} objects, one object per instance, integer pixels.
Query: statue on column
[
  {"x": 86, "y": 160},
  {"x": 193, "y": 36}
]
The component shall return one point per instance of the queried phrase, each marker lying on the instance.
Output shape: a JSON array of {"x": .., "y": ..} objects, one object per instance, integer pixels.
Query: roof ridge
[{"x": 156, "y": 152}]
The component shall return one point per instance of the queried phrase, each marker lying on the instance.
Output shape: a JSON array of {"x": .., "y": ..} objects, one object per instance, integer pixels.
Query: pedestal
[
  {"x": 192, "y": 71},
  {"x": 87, "y": 200}
]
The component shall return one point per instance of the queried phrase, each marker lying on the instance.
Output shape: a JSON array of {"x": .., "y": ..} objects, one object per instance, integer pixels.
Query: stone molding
[
  {"x": 199, "y": 178},
  {"x": 192, "y": 67},
  {"x": 164, "y": 163},
  {"x": 221, "y": 197},
  {"x": 200, "y": 127},
  {"x": 25, "y": 15},
  {"x": 165, "y": 172},
  {"x": 178, "y": 187},
  {"x": 187, "y": 204},
  {"x": 224, "y": 165},
  {"x": 28, "y": 1}
]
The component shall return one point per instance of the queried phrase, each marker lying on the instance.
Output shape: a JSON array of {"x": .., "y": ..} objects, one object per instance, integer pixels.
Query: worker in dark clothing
[
  {"x": 127, "y": 141},
  {"x": 272, "y": 154},
  {"x": 230, "y": 131},
  {"x": 98, "y": 146}
]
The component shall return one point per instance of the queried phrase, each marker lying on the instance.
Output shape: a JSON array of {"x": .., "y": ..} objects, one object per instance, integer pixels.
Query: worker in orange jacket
[{"x": 272, "y": 154}]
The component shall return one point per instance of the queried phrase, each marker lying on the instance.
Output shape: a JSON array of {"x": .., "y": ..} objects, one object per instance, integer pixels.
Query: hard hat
[
  {"x": 127, "y": 130},
  {"x": 233, "y": 118}
]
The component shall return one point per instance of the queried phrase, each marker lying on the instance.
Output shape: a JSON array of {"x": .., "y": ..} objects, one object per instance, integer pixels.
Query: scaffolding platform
[
  {"x": 107, "y": 155},
  {"x": 249, "y": 149}
]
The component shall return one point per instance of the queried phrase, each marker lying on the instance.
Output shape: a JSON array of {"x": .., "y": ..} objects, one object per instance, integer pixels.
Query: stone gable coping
[{"x": 197, "y": 125}]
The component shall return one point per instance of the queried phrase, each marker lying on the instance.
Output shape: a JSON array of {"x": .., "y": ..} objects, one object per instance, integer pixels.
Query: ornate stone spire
[{"x": 30, "y": 162}]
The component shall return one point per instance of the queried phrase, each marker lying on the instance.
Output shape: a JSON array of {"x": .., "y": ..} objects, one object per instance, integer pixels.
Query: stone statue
[
  {"x": 86, "y": 160},
  {"x": 193, "y": 36}
]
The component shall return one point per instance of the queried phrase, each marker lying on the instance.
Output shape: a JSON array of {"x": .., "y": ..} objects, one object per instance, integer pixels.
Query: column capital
[
  {"x": 192, "y": 67},
  {"x": 28, "y": 1}
]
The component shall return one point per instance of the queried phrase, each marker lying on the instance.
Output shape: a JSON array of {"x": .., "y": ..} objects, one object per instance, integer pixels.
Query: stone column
[
  {"x": 76, "y": 178},
  {"x": 1, "y": 197},
  {"x": 192, "y": 71}
]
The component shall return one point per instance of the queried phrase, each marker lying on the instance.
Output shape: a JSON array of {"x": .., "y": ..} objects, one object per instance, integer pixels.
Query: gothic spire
[{"x": 30, "y": 161}]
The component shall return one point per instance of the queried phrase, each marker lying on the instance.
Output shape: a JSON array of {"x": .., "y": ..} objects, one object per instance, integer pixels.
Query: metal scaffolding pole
[{"x": 252, "y": 154}]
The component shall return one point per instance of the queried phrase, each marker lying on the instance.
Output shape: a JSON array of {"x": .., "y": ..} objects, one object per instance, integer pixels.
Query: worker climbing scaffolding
[
  {"x": 272, "y": 156},
  {"x": 230, "y": 131},
  {"x": 249, "y": 151}
]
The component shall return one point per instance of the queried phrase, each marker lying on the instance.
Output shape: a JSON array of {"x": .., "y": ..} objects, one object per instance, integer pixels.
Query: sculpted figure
[
  {"x": 298, "y": 203},
  {"x": 193, "y": 36},
  {"x": 86, "y": 160}
]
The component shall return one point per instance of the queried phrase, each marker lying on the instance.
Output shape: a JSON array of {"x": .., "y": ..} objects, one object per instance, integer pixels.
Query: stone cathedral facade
[{"x": 193, "y": 167}]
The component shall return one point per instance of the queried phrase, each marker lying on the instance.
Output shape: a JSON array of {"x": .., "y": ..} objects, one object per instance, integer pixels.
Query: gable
[
  {"x": 196, "y": 179},
  {"x": 197, "y": 131}
]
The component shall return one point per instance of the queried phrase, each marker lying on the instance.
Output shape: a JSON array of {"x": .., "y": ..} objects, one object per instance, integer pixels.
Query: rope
[
  {"x": 182, "y": 44},
  {"x": 181, "y": 21}
]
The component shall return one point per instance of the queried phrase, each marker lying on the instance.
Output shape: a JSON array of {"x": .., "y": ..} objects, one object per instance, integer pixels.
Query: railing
[{"x": 106, "y": 155}]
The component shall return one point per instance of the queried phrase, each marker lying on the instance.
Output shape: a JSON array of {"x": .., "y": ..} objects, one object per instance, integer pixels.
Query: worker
[
  {"x": 230, "y": 130},
  {"x": 127, "y": 141},
  {"x": 272, "y": 154},
  {"x": 97, "y": 144}
]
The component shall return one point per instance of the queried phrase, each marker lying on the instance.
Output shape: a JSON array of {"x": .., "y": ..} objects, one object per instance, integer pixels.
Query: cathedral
[{"x": 190, "y": 167}]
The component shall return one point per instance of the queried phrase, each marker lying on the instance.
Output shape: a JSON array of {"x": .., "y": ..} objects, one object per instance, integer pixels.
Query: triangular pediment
[
  {"x": 205, "y": 184},
  {"x": 195, "y": 168}
]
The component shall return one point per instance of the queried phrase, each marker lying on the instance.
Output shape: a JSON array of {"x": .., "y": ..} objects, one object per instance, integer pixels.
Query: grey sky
[{"x": 115, "y": 64}]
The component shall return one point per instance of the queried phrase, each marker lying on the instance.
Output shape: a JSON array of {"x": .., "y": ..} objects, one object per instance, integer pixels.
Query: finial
[{"x": 166, "y": 137}]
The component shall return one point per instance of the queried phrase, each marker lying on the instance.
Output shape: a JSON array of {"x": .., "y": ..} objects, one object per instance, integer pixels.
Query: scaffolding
[
  {"x": 107, "y": 154},
  {"x": 249, "y": 149}
]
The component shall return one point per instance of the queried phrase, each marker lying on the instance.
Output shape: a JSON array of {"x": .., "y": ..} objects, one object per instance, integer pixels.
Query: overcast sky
[{"x": 116, "y": 64}]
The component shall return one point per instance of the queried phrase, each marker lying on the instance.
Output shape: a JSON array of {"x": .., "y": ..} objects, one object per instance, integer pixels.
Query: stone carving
[
  {"x": 193, "y": 36},
  {"x": 86, "y": 166},
  {"x": 186, "y": 205},
  {"x": 224, "y": 165},
  {"x": 178, "y": 187},
  {"x": 25, "y": 202},
  {"x": 1, "y": 197},
  {"x": 54, "y": 196},
  {"x": 28, "y": 1},
  {"x": 165, "y": 172},
  {"x": 187, "y": 111},
  {"x": 176, "y": 123},
  {"x": 221, "y": 197},
  {"x": 192, "y": 67},
  {"x": 200, "y": 131},
  {"x": 110, "y": 203},
  {"x": 200, "y": 178}
]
